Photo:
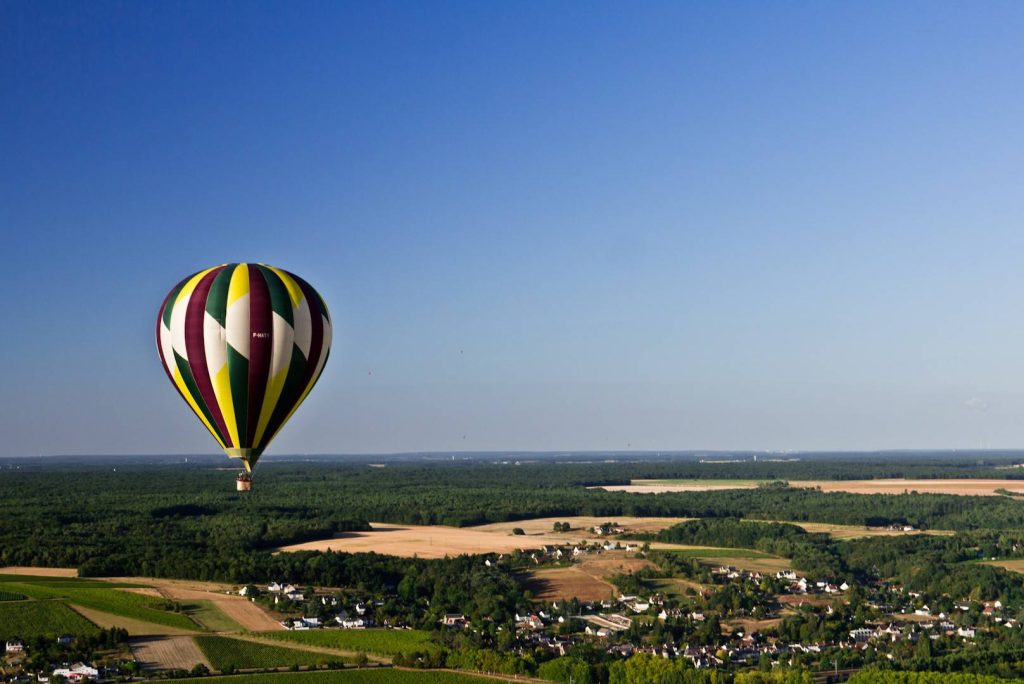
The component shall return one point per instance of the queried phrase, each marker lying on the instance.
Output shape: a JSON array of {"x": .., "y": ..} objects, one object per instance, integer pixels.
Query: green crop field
[
  {"x": 207, "y": 614},
  {"x": 28, "y": 619},
  {"x": 350, "y": 676},
  {"x": 380, "y": 641},
  {"x": 99, "y": 596},
  {"x": 82, "y": 583},
  {"x": 225, "y": 652},
  {"x": 11, "y": 596}
]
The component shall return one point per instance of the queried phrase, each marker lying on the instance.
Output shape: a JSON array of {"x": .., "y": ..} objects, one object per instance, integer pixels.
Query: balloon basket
[{"x": 243, "y": 483}]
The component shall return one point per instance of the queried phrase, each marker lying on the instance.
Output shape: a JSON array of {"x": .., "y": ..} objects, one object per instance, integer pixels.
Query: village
[
  {"x": 712, "y": 615},
  {"x": 836, "y": 621}
]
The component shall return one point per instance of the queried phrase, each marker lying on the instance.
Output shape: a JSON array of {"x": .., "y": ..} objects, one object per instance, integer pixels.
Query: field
[
  {"x": 167, "y": 653},
  {"x": 659, "y": 486},
  {"x": 582, "y": 526},
  {"x": 586, "y": 580},
  {"x": 674, "y": 586},
  {"x": 28, "y": 619},
  {"x": 378, "y": 641},
  {"x": 101, "y": 596},
  {"x": 212, "y": 604},
  {"x": 744, "y": 559},
  {"x": 350, "y": 676},
  {"x": 858, "y": 531},
  {"x": 38, "y": 572},
  {"x": 437, "y": 541},
  {"x": 134, "y": 627},
  {"x": 1013, "y": 565},
  {"x": 11, "y": 596},
  {"x": 553, "y": 584},
  {"x": 425, "y": 541},
  {"x": 209, "y": 615},
  {"x": 974, "y": 487},
  {"x": 225, "y": 652}
]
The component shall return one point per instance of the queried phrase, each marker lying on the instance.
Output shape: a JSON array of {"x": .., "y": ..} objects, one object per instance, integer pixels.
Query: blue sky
[{"x": 538, "y": 225}]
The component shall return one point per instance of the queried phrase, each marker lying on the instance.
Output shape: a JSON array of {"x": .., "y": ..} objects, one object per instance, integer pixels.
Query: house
[
  {"x": 602, "y": 632},
  {"x": 15, "y": 646},
  {"x": 77, "y": 672},
  {"x": 65, "y": 639},
  {"x": 861, "y": 634},
  {"x": 529, "y": 622},
  {"x": 923, "y": 610},
  {"x": 966, "y": 632},
  {"x": 352, "y": 623},
  {"x": 295, "y": 596},
  {"x": 311, "y": 622},
  {"x": 454, "y": 620}
]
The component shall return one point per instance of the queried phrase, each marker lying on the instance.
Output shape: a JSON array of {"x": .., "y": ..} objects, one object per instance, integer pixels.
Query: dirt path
[
  {"x": 168, "y": 653},
  {"x": 134, "y": 627}
]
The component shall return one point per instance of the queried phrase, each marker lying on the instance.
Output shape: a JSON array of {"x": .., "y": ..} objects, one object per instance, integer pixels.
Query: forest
[{"x": 185, "y": 520}]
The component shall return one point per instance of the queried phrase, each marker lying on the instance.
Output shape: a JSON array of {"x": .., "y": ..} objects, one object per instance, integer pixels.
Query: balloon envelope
[{"x": 243, "y": 344}]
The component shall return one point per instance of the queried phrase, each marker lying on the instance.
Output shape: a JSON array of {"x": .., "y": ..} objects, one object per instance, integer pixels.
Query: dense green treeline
[{"x": 186, "y": 520}]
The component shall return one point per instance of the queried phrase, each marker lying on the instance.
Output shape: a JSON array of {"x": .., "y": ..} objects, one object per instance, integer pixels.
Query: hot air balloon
[{"x": 243, "y": 344}]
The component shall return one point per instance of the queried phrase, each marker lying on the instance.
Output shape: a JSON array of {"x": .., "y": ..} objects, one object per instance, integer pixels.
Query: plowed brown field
[{"x": 168, "y": 653}]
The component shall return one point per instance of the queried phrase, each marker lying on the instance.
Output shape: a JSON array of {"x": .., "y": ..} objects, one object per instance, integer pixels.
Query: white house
[{"x": 77, "y": 672}]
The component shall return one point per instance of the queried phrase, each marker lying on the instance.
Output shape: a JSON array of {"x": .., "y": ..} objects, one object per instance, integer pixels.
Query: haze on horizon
[{"x": 538, "y": 227}]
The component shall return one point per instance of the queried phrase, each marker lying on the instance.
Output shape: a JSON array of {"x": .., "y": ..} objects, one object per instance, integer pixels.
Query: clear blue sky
[{"x": 679, "y": 225}]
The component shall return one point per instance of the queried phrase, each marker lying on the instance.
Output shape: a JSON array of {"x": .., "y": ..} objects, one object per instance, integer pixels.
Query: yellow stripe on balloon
[
  {"x": 180, "y": 382},
  {"x": 270, "y": 399},
  {"x": 222, "y": 390},
  {"x": 239, "y": 286},
  {"x": 294, "y": 291}
]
